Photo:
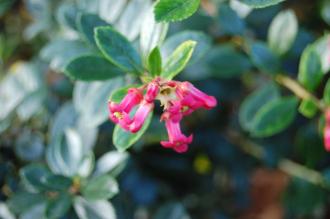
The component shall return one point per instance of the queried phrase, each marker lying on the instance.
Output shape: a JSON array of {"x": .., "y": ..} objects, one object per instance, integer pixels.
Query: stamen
[{"x": 119, "y": 115}]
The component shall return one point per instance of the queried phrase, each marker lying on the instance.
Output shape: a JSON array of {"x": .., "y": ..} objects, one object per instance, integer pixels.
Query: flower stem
[{"x": 299, "y": 90}]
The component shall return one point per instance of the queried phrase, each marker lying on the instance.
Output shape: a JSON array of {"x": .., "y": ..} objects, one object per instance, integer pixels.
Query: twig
[
  {"x": 289, "y": 167},
  {"x": 299, "y": 90}
]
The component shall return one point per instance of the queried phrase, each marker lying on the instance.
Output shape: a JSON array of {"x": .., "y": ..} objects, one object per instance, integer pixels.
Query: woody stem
[{"x": 299, "y": 90}]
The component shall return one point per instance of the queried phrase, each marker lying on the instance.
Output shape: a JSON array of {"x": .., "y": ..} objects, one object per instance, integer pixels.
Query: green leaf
[
  {"x": 152, "y": 34},
  {"x": 308, "y": 108},
  {"x": 86, "y": 165},
  {"x": 111, "y": 162},
  {"x": 264, "y": 59},
  {"x": 60, "y": 52},
  {"x": 66, "y": 155},
  {"x": 282, "y": 32},
  {"x": 310, "y": 69},
  {"x": 225, "y": 62},
  {"x": 274, "y": 117},
  {"x": 178, "y": 59},
  {"x": 118, "y": 50},
  {"x": 175, "y": 10},
  {"x": 124, "y": 140},
  {"x": 94, "y": 210},
  {"x": 326, "y": 94},
  {"x": 56, "y": 182},
  {"x": 230, "y": 23},
  {"x": 261, "y": 3},
  {"x": 321, "y": 47},
  {"x": 32, "y": 177},
  {"x": 71, "y": 151},
  {"x": 66, "y": 15},
  {"x": 100, "y": 187},
  {"x": 203, "y": 45},
  {"x": 86, "y": 25},
  {"x": 90, "y": 101},
  {"x": 58, "y": 206},
  {"x": 254, "y": 102},
  {"x": 91, "y": 68},
  {"x": 155, "y": 62},
  {"x": 23, "y": 201}
]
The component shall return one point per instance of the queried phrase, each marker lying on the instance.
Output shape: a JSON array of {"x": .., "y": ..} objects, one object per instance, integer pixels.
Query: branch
[
  {"x": 299, "y": 90},
  {"x": 289, "y": 167}
]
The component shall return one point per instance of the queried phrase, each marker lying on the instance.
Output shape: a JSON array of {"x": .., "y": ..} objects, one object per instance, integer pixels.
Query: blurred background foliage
[{"x": 57, "y": 159}]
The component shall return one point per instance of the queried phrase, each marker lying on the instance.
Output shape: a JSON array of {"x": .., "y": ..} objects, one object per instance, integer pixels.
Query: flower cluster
[
  {"x": 178, "y": 99},
  {"x": 327, "y": 131}
]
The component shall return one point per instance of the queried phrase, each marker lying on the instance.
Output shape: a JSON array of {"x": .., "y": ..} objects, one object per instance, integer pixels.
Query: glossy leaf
[
  {"x": 322, "y": 48},
  {"x": 90, "y": 101},
  {"x": 203, "y": 45},
  {"x": 58, "y": 206},
  {"x": 326, "y": 94},
  {"x": 23, "y": 201},
  {"x": 254, "y": 102},
  {"x": 155, "y": 62},
  {"x": 175, "y": 10},
  {"x": 32, "y": 177},
  {"x": 152, "y": 34},
  {"x": 178, "y": 59},
  {"x": 230, "y": 23},
  {"x": 94, "y": 209},
  {"x": 274, "y": 117},
  {"x": 111, "y": 162},
  {"x": 131, "y": 19},
  {"x": 84, "y": 68},
  {"x": 66, "y": 156},
  {"x": 261, "y": 3},
  {"x": 61, "y": 51},
  {"x": 282, "y": 32},
  {"x": 100, "y": 187},
  {"x": 67, "y": 15},
  {"x": 124, "y": 140},
  {"x": 56, "y": 182},
  {"x": 264, "y": 59},
  {"x": 118, "y": 49},
  {"x": 87, "y": 23},
  {"x": 310, "y": 69},
  {"x": 115, "y": 6},
  {"x": 308, "y": 108},
  {"x": 225, "y": 62}
]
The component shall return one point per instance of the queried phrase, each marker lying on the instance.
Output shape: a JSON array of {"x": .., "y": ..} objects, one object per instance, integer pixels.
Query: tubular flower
[
  {"x": 178, "y": 141},
  {"x": 326, "y": 133},
  {"x": 178, "y": 100},
  {"x": 119, "y": 113},
  {"x": 140, "y": 116}
]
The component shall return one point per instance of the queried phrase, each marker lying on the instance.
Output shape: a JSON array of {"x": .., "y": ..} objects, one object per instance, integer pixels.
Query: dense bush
[{"x": 70, "y": 69}]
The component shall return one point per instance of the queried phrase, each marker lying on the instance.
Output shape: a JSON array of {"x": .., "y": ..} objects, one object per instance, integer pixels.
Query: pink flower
[
  {"x": 152, "y": 91},
  {"x": 326, "y": 133},
  {"x": 179, "y": 99},
  {"x": 178, "y": 141},
  {"x": 140, "y": 116},
  {"x": 119, "y": 113},
  {"x": 195, "y": 98}
]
